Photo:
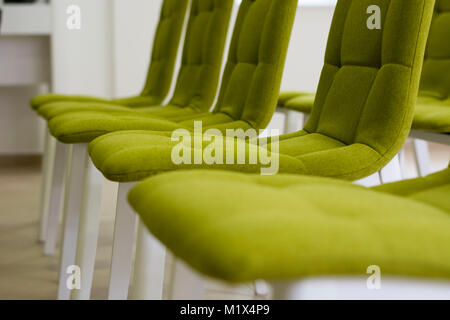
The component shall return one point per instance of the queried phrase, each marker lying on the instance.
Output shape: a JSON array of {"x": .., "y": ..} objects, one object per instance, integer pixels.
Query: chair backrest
[
  {"x": 165, "y": 49},
  {"x": 370, "y": 80},
  {"x": 204, "y": 46},
  {"x": 252, "y": 76},
  {"x": 436, "y": 69}
]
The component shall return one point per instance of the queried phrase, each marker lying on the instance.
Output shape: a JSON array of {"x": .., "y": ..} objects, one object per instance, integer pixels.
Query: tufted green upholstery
[
  {"x": 297, "y": 101},
  {"x": 362, "y": 115},
  {"x": 365, "y": 102},
  {"x": 248, "y": 94},
  {"x": 436, "y": 70},
  {"x": 198, "y": 76},
  {"x": 292, "y": 227},
  {"x": 433, "y": 189},
  {"x": 432, "y": 109},
  {"x": 161, "y": 68}
]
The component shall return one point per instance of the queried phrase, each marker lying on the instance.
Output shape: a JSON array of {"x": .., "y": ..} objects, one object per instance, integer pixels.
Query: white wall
[
  {"x": 135, "y": 22},
  {"x": 85, "y": 63},
  {"x": 24, "y": 66},
  {"x": 307, "y": 48},
  {"x": 82, "y": 59},
  {"x": 134, "y": 27},
  {"x": 81, "y": 64}
]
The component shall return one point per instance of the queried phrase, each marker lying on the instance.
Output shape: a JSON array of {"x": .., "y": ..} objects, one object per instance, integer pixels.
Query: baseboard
[{"x": 20, "y": 160}]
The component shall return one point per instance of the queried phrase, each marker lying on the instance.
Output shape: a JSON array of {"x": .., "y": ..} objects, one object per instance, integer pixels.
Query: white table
[{"x": 25, "y": 68}]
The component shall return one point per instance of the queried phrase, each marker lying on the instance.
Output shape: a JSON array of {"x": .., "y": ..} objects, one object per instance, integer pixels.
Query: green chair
[
  {"x": 157, "y": 86},
  {"x": 243, "y": 102},
  {"x": 285, "y": 228},
  {"x": 196, "y": 85},
  {"x": 382, "y": 68},
  {"x": 161, "y": 68},
  {"x": 196, "y": 88},
  {"x": 247, "y": 99},
  {"x": 362, "y": 115},
  {"x": 297, "y": 101},
  {"x": 432, "y": 113},
  {"x": 432, "y": 116}
]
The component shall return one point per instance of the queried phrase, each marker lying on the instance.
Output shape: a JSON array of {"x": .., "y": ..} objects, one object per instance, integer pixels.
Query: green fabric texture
[
  {"x": 249, "y": 91},
  {"x": 432, "y": 109},
  {"x": 195, "y": 90},
  {"x": 198, "y": 76},
  {"x": 297, "y": 101},
  {"x": 362, "y": 115},
  {"x": 433, "y": 189},
  {"x": 292, "y": 227},
  {"x": 432, "y": 115},
  {"x": 161, "y": 68}
]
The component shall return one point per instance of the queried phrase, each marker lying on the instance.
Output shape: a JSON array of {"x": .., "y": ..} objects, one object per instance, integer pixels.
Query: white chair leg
[
  {"x": 292, "y": 122},
  {"x": 88, "y": 231},
  {"x": 305, "y": 118},
  {"x": 74, "y": 191},
  {"x": 357, "y": 287},
  {"x": 46, "y": 183},
  {"x": 261, "y": 288},
  {"x": 371, "y": 181},
  {"x": 403, "y": 165},
  {"x": 285, "y": 290},
  {"x": 149, "y": 266},
  {"x": 392, "y": 172},
  {"x": 186, "y": 284},
  {"x": 123, "y": 245},
  {"x": 422, "y": 155},
  {"x": 56, "y": 196}
]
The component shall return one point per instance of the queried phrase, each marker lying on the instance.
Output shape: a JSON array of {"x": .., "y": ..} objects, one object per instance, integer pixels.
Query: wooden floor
[{"x": 25, "y": 273}]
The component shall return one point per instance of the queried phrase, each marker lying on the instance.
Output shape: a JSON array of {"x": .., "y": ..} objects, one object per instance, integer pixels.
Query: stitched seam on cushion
[
  {"x": 326, "y": 98},
  {"x": 383, "y": 156},
  {"x": 364, "y": 106},
  {"x": 255, "y": 64},
  {"x": 411, "y": 74},
  {"x": 357, "y": 127},
  {"x": 342, "y": 35},
  {"x": 100, "y": 132},
  {"x": 384, "y": 33},
  {"x": 277, "y": 66},
  {"x": 332, "y": 138},
  {"x": 227, "y": 114},
  {"x": 339, "y": 66}
]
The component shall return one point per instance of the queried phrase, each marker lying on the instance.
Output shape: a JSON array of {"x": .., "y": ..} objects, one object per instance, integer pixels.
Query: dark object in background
[
  {"x": 13, "y": 1},
  {"x": 19, "y": 1}
]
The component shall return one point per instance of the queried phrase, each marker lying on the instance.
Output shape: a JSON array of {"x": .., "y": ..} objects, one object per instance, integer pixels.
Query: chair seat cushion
[
  {"x": 285, "y": 96},
  {"x": 44, "y": 99},
  {"x": 52, "y": 110},
  {"x": 432, "y": 115},
  {"x": 135, "y": 101},
  {"x": 297, "y": 101},
  {"x": 433, "y": 189},
  {"x": 125, "y": 156},
  {"x": 242, "y": 228},
  {"x": 83, "y": 127}
]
